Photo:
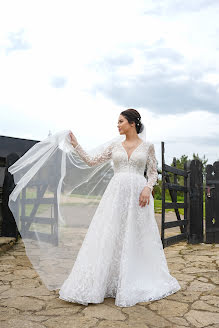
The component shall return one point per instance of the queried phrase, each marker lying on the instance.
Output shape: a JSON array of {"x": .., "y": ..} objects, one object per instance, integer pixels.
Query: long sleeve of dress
[
  {"x": 94, "y": 160},
  {"x": 151, "y": 163}
]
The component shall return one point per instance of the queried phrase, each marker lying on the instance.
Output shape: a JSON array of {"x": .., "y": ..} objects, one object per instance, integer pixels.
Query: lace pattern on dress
[
  {"x": 97, "y": 159},
  {"x": 122, "y": 254},
  {"x": 151, "y": 163}
]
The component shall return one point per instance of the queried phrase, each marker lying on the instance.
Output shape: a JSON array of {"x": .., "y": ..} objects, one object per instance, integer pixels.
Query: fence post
[{"x": 195, "y": 233}]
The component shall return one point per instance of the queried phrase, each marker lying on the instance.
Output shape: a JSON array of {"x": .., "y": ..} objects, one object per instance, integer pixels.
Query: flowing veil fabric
[{"x": 54, "y": 200}]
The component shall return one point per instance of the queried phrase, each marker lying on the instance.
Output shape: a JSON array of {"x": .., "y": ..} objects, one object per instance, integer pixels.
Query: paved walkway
[{"x": 25, "y": 301}]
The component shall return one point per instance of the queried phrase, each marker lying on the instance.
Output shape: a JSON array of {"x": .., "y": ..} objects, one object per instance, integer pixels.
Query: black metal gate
[
  {"x": 173, "y": 188},
  {"x": 39, "y": 206},
  {"x": 212, "y": 203},
  {"x": 32, "y": 218},
  {"x": 36, "y": 205}
]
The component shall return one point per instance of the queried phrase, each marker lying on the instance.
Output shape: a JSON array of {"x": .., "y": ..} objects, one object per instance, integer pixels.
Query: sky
[{"x": 77, "y": 64}]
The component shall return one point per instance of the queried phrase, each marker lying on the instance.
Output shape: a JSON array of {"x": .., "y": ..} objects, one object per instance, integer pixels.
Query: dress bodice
[
  {"x": 134, "y": 164},
  {"x": 142, "y": 156}
]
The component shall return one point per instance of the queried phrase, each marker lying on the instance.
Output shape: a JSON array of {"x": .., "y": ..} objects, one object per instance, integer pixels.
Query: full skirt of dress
[{"x": 122, "y": 254}]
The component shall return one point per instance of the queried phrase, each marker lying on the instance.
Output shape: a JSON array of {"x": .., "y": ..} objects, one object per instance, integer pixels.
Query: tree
[
  {"x": 180, "y": 179},
  {"x": 204, "y": 162},
  {"x": 180, "y": 165}
]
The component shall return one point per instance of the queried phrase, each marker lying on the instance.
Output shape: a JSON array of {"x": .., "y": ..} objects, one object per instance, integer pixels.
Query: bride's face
[{"x": 123, "y": 125}]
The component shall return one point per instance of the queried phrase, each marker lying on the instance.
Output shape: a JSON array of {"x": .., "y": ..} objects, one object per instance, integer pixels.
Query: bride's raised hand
[
  {"x": 144, "y": 198},
  {"x": 73, "y": 139}
]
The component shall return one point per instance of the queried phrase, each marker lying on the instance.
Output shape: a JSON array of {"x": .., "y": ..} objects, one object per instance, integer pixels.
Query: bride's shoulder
[{"x": 148, "y": 143}]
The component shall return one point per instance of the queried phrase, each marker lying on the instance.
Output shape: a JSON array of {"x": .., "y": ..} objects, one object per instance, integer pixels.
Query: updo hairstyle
[{"x": 132, "y": 115}]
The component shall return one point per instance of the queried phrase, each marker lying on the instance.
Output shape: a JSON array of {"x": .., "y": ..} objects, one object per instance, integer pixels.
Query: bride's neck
[{"x": 131, "y": 136}]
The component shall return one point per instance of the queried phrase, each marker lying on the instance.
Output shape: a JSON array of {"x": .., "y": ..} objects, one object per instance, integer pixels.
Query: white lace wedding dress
[{"x": 122, "y": 254}]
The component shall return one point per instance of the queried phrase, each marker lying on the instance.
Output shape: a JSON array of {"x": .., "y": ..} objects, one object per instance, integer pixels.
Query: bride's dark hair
[{"x": 132, "y": 115}]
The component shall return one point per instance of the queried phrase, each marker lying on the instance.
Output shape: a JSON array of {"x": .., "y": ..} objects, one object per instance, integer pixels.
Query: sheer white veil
[{"x": 54, "y": 200}]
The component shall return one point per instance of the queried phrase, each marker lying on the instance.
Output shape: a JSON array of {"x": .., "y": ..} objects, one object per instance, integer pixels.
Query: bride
[
  {"x": 122, "y": 254},
  {"x": 63, "y": 193}
]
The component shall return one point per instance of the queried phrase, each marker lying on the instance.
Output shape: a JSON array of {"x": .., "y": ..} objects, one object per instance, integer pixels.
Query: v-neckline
[{"x": 132, "y": 151}]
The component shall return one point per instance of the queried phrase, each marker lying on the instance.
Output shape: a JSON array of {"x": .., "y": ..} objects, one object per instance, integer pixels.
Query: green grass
[
  {"x": 29, "y": 207},
  {"x": 85, "y": 196},
  {"x": 158, "y": 207},
  {"x": 43, "y": 207}
]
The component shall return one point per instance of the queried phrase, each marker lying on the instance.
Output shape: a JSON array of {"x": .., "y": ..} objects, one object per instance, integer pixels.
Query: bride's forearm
[
  {"x": 74, "y": 144},
  {"x": 147, "y": 187}
]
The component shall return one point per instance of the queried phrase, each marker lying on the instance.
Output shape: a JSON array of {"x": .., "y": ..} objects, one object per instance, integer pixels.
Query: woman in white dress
[{"x": 122, "y": 254}]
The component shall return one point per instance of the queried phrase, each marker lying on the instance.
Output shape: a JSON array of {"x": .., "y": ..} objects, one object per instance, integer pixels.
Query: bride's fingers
[
  {"x": 143, "y": 201},
  {"x": 72, "y": 136}
]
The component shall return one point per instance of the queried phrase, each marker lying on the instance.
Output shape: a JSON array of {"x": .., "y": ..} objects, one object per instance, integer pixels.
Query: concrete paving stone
[
  {"x": 202, "y": 265},
  {"x": 18, "y": 252},
  {"x": 197, "y": 258},
  {"x": 177, "y": 326},
  {"x": 110, "y": 301},
  {"x": 6, "y": 313},
  {"x": 23, "y": 262},
  {"x": 116, "y": 324},
  {"x": 8, "y": 262},
  {"x": 200, "y": 246},
  {"x": 214, "y": 291},
  {"x": 6, "y": 267},
  {"x": 211, "y": 276},
  {"x": 25, "y": 317},
  {"x": 17, "y": 323},
  {"x": 175, "y": 259},
  {"x": 25, "y": 283},
  {"x": 203, "y": 279},
  {"x": 203, "y": 252},
  {"x": 184, "y": 277},
  {"x": 4, "y": 288},
  {"x": 167, "y": 308},
  {"x": 5, "y": 240},
  {"x": 70, "y": 322},
  {"x": 215, "y": 256},
  {"x": 176, "y": 266},
  {"x": 58, "y": 311},
  {"x": 47, "y": 298},
  {"x": 24, "y": 298},
  {"x": 201, "y": 319},
  {"x": 183, "y": 284},
  {"x": 9, "y": 277},
  {"x": 210, "y": 299},
  {"x": 56, "y": 302},
  {"x": 6, "y": 257},
  {"x": 185, "y": 296},
  {"x": 179, "y": 322},
  {"x": 24, "y": 304},
  {"x": 201, "y": 305},
  {"x": 171, "y": 254},
  {"x": 200, "y": 286},
  {"x": 142, "y": 314},
  {"x": 15, "y": 292},
  {"x": 198, "y": 270},
  {"x": 102, "y": 311},
  {"x": 28, "y": 316},
  {"x": 26, "y": 273}
]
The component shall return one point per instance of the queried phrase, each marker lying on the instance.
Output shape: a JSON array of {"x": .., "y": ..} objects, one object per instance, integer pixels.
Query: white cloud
[{"x": 66, "y": 52}]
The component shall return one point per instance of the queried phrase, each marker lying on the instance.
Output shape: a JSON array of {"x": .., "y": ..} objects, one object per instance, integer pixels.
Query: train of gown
[{"x": 122, "y": 254}]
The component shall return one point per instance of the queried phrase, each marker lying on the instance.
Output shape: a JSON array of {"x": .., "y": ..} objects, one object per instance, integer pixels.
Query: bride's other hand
[
  {"x": 144, "y": 198},
  {"x": 73, "y": 139}
]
